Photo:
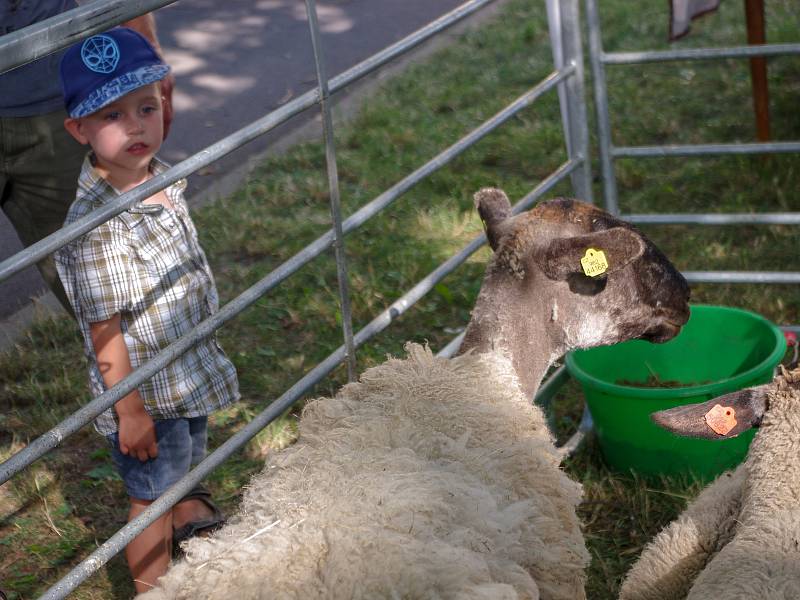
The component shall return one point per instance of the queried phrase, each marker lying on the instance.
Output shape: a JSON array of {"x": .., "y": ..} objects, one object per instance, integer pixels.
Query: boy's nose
[{"x": 135, "y": 124}]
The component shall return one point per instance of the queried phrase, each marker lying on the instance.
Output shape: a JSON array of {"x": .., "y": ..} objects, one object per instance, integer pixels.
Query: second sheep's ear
[
  {"x": 717, "y": 419},
  {"x": 494, "y": 209},
  {"x": 564, "y": 256}
]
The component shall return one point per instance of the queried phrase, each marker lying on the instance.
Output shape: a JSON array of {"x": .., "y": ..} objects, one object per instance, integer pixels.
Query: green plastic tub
[{"x": 718, "y": 351}]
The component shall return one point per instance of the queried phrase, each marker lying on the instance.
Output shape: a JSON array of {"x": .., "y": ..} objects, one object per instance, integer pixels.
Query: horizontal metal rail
[
  {"x": 122, "y": 537},
  {"x": 62, "y": 30},
  {"x": 742, "y": 277},
  {"x": 633, "y": 58},
  {"x": 699, "y": 149},
  {"x": 36, "y": 252},
  {"x": 53, "y": 242},
  {"x": 714, "y": 219},
  {"x": 452, "y": 346},
  {"x": 550, "y": 386},
  {"x": 88, "y": 412},
  {"x": 407, "y": 43},
  {"x": 58, "y": 32},
  {"x": 584, "y": 427}
]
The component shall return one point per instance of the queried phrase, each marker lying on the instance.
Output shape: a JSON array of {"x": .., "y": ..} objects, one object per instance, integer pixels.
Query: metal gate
[
  {"x": 567, "y": 78},
  {"x": 58, "y": 32},
  {"x": 609, "y": 152}
]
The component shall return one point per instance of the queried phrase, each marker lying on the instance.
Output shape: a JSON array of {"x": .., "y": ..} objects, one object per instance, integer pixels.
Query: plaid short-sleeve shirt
[{"x": 147, "y": 265}]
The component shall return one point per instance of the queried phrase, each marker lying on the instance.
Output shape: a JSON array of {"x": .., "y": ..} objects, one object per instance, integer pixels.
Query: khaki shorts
[{"x": 39, "y": 168}]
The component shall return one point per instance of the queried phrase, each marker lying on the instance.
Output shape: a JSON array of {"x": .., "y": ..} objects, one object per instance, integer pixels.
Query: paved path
[{"x": 237, "y": 60}]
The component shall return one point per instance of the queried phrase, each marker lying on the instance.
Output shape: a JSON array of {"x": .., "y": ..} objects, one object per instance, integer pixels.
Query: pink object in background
[{"x": 682, "y": 12}]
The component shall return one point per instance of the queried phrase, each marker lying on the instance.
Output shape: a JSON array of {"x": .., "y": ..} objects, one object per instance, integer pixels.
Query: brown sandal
[{"x": 202, "y": 526}]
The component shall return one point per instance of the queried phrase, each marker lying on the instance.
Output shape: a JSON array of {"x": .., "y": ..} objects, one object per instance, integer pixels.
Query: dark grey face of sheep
[
  {"x": 638, "y": 293},
  {"x": 719, "y": 418}
]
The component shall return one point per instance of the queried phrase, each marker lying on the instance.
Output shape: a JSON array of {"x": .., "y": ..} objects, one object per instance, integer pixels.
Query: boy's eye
[
  {"x": 112, "y": 116},
  {"x": 149, "y": 109}
]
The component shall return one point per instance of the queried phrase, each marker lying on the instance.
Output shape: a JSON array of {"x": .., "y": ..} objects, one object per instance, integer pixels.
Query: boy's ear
[{"x": 75, "y": 129}]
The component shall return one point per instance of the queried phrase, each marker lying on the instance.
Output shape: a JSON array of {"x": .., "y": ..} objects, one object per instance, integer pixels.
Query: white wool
[
  {"x": 591, "y": 329},
  {"x": 740, "y": 539},
  {"x": 430, "y": 478}
]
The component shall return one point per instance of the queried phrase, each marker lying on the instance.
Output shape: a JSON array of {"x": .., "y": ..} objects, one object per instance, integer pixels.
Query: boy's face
[{"x": 126, "y": 134}]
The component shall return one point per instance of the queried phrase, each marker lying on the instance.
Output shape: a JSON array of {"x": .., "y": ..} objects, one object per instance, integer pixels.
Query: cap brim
[{"x": 116, "y": 88}]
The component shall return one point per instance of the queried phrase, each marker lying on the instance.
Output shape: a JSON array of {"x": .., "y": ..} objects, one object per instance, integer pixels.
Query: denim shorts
[{"x": 181, "y": 445}]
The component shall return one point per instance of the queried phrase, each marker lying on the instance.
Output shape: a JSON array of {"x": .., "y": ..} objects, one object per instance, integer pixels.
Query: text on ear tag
[
  {"x": 594, "y": 262},
  {"x": 721, "y": 419}
]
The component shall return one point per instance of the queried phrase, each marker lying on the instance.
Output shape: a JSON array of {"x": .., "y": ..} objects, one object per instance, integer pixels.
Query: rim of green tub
[{"x": 729, "y": 383}]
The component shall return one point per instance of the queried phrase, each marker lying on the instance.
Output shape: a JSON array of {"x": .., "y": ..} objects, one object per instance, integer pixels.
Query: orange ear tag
[
  {"x": 594, "y": 262},
  {"x": 721, "y": 419}
]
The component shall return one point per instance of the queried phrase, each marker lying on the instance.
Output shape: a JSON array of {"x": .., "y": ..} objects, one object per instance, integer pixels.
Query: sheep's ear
[
  {"x": 565, "y": 256},
  {"x": 718, "y": 419},
  {"x": 494, "y": 209}
]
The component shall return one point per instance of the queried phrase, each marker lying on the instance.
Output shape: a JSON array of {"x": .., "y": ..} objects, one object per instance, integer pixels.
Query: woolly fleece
[
  {"x": 740, "y": 539},
  {"x": 430, "y": 478}
]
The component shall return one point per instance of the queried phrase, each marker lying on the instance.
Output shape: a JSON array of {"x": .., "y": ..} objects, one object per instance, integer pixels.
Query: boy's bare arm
[{"x": 137, "y": 434}]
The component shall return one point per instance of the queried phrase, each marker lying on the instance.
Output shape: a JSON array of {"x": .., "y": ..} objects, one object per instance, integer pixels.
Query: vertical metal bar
[
  {"x": 557, "y": 46},
  {"x": 333, "y": 185},
  {"x": 578, "y": 123},
  {"x": 601, "y": 105}
]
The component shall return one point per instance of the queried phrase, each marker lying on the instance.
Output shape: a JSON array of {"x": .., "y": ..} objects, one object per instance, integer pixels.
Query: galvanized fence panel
[
  {"x": 58, "y": 32},
  {"x": 608, "y": 151}
]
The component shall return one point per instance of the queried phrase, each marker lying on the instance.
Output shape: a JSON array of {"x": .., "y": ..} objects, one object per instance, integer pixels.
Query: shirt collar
[{"x": 91, "y": 183}]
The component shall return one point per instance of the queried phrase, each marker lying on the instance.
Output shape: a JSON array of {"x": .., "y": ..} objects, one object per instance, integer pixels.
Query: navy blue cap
[{"x": 103, "y": 68}]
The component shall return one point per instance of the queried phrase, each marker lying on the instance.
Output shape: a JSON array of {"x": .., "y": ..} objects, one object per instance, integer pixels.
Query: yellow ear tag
[{"x": 594, "y": 262}]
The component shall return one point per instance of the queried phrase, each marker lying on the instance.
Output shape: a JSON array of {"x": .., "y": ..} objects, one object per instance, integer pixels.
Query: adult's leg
[
  {"x": 41, "y": 165},
  {"x": 149, "y": 553}
]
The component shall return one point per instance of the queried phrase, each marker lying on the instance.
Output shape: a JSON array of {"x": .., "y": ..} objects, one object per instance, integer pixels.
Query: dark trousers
[{"x": 39, "y": 168}]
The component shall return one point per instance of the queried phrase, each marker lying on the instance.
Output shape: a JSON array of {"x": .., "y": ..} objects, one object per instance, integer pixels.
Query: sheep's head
[
  {"x": 632, "y": 291},
  {"x": 729, "y": 415}
]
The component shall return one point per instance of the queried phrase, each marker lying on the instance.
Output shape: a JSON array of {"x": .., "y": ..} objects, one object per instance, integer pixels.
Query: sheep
[
  {"x": 438, "y": 478},
  {"x": 740, "y": 538}
]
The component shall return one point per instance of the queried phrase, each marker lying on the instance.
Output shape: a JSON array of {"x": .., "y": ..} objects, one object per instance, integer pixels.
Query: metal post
[
  {"x": 601, "y": 103},
  {"x": 754, "y": 15},
  {"x": 557, "y": 46},
  {"x": 333, "y": 185},
  {"x": 577, "y": 130}
]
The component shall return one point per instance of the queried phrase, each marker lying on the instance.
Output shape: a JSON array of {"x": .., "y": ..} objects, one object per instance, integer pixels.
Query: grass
[{"x": 71, "y": 500}]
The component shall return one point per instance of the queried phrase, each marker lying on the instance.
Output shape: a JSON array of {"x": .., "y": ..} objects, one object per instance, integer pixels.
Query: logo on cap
[{"x": 100, "y": 54}]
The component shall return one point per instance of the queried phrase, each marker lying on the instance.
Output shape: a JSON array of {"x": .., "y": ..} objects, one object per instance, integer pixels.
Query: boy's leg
[
  {"x": 191, "y": 510},
  {"x": 149, "y": 553},
  {"x": 194, "y": 509}
]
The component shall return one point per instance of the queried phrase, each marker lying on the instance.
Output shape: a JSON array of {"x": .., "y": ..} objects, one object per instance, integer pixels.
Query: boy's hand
[
  {"x": 137, "y": 436},
  {"x": 137, "y": 433}
]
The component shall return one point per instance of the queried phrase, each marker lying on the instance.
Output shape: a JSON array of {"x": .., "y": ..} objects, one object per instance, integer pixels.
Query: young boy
[{"x": 137, "y": 283}]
